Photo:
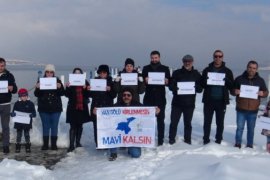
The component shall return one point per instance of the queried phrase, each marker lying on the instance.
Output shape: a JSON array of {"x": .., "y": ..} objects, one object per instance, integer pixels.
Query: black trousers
[
  {"x": 161, "y": 124},
  {"x": 209, "y": 108},
  {"x": 176, "y": 113},
  {"x": 26, "y": 135}
]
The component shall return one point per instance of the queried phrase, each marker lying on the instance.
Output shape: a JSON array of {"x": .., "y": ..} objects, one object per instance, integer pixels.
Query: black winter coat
[
  {"x": 226, "y": 89},
  {"x": 102, "y": 98},
  {"x": 137, "y": 89},
  {"x": 155, "y": 95},
  {"x": 26, "y": 107},
  {"x": 49, "y": 101},
  {"x": 73, "y": 115},
  {"x": 183, "y": 75},
  {"x": 6, "y": 97}
]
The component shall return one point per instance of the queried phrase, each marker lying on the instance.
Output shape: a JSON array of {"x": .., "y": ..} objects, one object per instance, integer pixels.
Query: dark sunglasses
[
  {"x": 217, "y": 56},
  {"x": 126, "y": 95},
  {"x": 49, "y": 72}
]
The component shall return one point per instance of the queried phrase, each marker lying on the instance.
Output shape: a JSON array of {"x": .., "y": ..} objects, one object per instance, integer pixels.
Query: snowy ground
[{"x": 180, "y": 161}]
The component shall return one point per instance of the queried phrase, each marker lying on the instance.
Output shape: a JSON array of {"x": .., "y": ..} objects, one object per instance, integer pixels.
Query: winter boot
[
  {"x": 5, "y": 149},
  {"x": 78, "y": 137},
  {"x": 45, "y": 145},
  {"x": 28, "y": 147},
  {"x": 17, "y": 147},
  {"x": 71, "y": 140},
  {"x": 54, "y": 143},
  {"x": 268, "y": 147},
  {"x": 113, "y": 157}
]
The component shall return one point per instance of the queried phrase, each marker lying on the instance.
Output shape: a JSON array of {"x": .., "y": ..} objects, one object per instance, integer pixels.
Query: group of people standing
[{"x": 215, "y": 99}]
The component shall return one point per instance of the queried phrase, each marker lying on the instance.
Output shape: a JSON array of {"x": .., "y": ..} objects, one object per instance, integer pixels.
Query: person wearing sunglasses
[
  {"x": 216, "y": 96},
  {"x": 50, "y": 108},
  {"x": 183, "y": 103},
  {"x": 127, "y": 99}
]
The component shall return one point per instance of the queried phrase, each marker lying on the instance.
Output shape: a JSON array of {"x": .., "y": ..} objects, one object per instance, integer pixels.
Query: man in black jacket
[
  {"x": 5, "y": 99},
  {"x": 184, "y": 102},
  {"x": 216, "y": 97},
  {"x": 155, "y": 94}
]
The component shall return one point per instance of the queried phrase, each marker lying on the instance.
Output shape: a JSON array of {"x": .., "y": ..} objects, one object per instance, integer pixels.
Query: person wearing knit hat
[
  {"x": 49, "y": 67},
  {"x": 26, "y": 106},
  {"x": 103, "y": 68},
  {"x": 101, "y": 98},
  {"x": 138, "y": 89},
  {"x": 22, "y": 92},
  {"x": 50, "y": 108},
  {"x": 129, "y": 61}
]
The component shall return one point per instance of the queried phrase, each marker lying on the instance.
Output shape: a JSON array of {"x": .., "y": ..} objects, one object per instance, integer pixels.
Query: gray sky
[{"x": 91, "y": 32}]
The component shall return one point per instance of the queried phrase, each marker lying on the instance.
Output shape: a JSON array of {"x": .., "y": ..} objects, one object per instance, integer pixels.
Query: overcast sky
[{"x": 91, "y": 32}]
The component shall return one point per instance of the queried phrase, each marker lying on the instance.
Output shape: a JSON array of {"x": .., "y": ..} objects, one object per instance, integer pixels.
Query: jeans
[
  {"x": 50, "y": 123},
  {"x": 176, "y": 113},
  {"x": 241, "y": 119},
  {"x": 268, "y": 139},
  {"x": 134, "y": 152},
  {"x": 5, "y": 118}
]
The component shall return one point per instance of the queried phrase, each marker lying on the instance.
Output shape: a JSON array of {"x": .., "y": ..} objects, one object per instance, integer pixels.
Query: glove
[
  {"x": 140, "y": 78},
  {"x": 117, "y": 79},
  {"x": 12, "y": 114}
]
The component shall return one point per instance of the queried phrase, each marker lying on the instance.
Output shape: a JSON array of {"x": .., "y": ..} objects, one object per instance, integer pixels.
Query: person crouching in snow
[
  {"x": 26, "y": 106},
  {"x": 266, "y": 132},
  {"x": 127, "y": 100}
]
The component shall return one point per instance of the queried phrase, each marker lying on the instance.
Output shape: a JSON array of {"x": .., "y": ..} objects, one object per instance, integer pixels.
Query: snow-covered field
[{"x": 179, "y": 161}]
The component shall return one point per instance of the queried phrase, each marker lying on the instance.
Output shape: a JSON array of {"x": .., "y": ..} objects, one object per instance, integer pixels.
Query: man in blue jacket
[{"x": 5, "y": 101}]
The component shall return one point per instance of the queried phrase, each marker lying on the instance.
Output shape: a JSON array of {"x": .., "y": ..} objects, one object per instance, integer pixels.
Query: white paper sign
[
  {"x": 21, "y": 117},
  {"x": 263, "y": 122},
  {"x": 126, "y": 127},
  {"x": 156, "y": 78},
  {"x": 98, "y": 84},
  {"x": 247, "y": 91},
  {"x": 48, "y": 83},
  {"x": 186, "y": 88},
  {"x": 216, "y": 79},
  {"x": 3, "y": 86},
  {"x": 129, "y": 79},
  {"x": 77, "y": 79}
]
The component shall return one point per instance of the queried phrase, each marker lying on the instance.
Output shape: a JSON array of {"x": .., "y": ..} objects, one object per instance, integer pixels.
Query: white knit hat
[{"x": 49, "y": 67}]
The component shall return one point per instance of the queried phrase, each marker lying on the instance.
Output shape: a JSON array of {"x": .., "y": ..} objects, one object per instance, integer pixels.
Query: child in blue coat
[{"x": 26, "y": 106}]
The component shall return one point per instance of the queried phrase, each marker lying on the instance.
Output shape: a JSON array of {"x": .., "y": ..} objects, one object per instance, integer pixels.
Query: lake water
[{"x": 27, "y": 76}]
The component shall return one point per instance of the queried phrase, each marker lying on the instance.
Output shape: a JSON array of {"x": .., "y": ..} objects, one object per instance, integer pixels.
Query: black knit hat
[
  {"x": 129, "y": 61},
  {"x": 103, "y": 68}
]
